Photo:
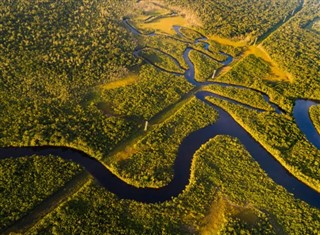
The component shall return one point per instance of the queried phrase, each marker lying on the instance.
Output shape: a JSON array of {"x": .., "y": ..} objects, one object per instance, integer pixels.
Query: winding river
[{"x": 225, "y": 125}]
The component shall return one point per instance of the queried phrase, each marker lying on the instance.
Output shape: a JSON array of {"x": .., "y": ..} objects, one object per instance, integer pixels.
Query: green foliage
[
  {"x": 190, "y": 33},
  {"x": 238, "y": 19},
  {"x": 245, "y": 96},
  {"x": 52, "y": 56},
  {"x": 296, "y": 48},
  {"x": 314, "y": 112},
  {"x": 237, "y": 173},
  {"x": 53, "y": 49},
  {"x": 154, "y": 91},
  {"x": 26, "y": 181},
  {"x": 252, "y": 72},
  {"x": 204, "y": 65},
  {"x": 217, "y": 170},
  {"x": 281, "y": 137},
  {"x": 169, "y": 45},
  {"x": 161, "y": 59},
  {"x": 152, "y": 160},
  {"x": 217, "y": 47},
  {"x": 248, "y": 71}
]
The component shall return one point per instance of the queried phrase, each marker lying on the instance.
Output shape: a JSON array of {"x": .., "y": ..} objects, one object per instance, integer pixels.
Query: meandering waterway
[{"x": 225, "y": 125}]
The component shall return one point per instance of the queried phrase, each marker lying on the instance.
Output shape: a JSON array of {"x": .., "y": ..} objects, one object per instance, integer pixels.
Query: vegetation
[
  {"x": 154, "y": 91},
  {"x": 238, "y": 20},
  {"x": 149, "y": 161},
  {"x": 190, "y": 33},
  {"x": 242, "y": 95},
  {"x": 151, "y": 16},
  {"x": 68, "y": 77},
  {"x": 219, "y": 198},
  {"x": 52, "y": 54},
  {"x": 217, "y": 47},
  {"x": 254, "y": 72},
  {"x": 204, "y": 65},
  {"x": 314, "y": 113},
  {"x": 161, "y": 60},
  {"x": 281, "y": 137},
  {"x": 296, "y": 48},
  {"x": 26, "y": 181},
  {"x": 169, "y": 45}
]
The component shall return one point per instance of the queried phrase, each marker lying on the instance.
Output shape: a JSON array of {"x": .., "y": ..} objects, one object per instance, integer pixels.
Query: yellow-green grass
[
  {"x": 278, "y": 74},
  {"x": 131, "y": 78},
  {"x": 163, "y": 25},
  {"x": 227, "y": 41}
]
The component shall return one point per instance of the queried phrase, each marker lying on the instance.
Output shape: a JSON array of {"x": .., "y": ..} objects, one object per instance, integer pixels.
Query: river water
[{"x": 225, "y": 125}]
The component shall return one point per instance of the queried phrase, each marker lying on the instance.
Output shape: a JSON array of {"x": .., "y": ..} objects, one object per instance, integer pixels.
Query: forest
[{"x": 110, "y": 78}]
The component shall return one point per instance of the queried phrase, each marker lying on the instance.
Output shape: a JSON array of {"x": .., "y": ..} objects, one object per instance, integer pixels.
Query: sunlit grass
[
  {"x": 226, "y": 41},
  {"x": 278, "y": 74},
  {"x": 131, "y": 78},
  {"x": 163, "y": 24}
]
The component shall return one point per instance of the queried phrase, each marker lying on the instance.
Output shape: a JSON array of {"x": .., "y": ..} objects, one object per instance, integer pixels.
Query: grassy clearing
[
  {"x": 163, "y": 25},
  {"x": 277, "y": 74},
  {"x": 229, "y": 42}
]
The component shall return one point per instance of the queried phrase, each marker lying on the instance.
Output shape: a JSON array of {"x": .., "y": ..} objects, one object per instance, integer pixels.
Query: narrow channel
[{"x": 225, "y": 125}]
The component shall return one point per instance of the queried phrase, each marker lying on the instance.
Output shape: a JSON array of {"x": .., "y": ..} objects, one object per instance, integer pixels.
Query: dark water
[
  {"x": 225, "y": 125},
  {"x": 303, "y": 120}
]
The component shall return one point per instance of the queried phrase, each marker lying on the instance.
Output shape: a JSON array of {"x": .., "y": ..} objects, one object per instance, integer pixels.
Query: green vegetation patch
[
  {"x": 281, "y": 137},
  {"x": 154, "y": 91},
  {"x": 235, "y": 19},
  {"x": 190, "y": 33},
  {"x": 314, "y": 113},
  {"x": 204, "y": 65},
  {"x": 217, "y": 47},
  {"x": 162, "y": 60},
  {"x": 151, "y": 161},
  {"x": 253, "y": 72},
  {"x": 26, "y": 181},
  {"x": 297, "y": 51},
  {"x": 242, "y": 95},
  {"x": 169, "y": 45},
  {"x": 244, "y": 183},
  {"x": 248, "y": 71}
]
